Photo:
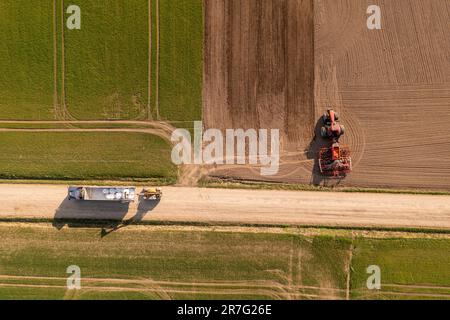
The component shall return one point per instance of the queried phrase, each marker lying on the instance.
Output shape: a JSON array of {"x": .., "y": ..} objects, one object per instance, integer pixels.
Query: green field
[
  {"x": 181, "y": 56},
  {"x": 101, "y": 71},
  {"x": 87, "y": 155},
  {"x": 157, "y": 263},
  {"x": 107, "y": 60},
  {"x": 26, "y": 59},
  {"x": 150, "y": 262},
  {"x": 423, "y": 262}
]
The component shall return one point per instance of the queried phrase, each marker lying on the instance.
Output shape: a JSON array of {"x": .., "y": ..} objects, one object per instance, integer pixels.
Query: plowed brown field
[
  {"x": 259, "y": 67},
  {"x": 391, "y": 86}
]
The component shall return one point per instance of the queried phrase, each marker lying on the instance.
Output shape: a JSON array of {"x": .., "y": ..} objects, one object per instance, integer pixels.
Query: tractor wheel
[{"x": 323, "y": 132}]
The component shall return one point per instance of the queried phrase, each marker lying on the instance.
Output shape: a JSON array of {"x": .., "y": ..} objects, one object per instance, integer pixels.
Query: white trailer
[{"x": 111, "y": 194}]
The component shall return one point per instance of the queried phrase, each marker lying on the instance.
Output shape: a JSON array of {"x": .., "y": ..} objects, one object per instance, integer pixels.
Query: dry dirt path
[{"x": 217, "y": 206}]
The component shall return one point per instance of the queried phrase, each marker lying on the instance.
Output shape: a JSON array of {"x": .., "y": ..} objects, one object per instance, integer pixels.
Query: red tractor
[
  {"x": 332, "y": 128},
  {"x": 334, "y": 161}
]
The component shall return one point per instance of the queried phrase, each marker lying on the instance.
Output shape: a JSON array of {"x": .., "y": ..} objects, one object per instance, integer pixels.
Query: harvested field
[{"x": 391, "y": 86}]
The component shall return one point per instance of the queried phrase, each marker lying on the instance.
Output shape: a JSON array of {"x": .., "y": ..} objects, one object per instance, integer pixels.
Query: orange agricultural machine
[{"x": 334, "y": 161}]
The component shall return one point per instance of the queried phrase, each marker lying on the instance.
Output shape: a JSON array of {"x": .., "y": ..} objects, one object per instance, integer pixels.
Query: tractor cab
[{"x": 332, "y": 128}]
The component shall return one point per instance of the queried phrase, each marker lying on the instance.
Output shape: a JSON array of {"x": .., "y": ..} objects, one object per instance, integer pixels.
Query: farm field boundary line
[
  {"x": 149, "y": 93},
  {"x": 259, "y": 185},
  {"x": 300, "y": 231},
  {"x": 360, "y": 231}
]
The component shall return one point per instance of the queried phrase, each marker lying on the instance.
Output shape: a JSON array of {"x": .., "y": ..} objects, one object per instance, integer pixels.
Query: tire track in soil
[
  {"x": 149, "y": 93},
  {"x": 164, "y": 286},
  {"x": 265, "y": 292},
  {"x": 55, "y": 63},
  {"x": 64, "y": 113},
  {"x": 355, "y": 137},
  {"x": 348, "y": 271},
  {"x": 157, "y": 59}
]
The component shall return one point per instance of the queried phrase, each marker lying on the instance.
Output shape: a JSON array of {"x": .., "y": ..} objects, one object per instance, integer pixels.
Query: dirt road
[{"x": 237, "y": 207}]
